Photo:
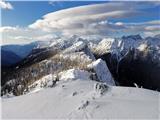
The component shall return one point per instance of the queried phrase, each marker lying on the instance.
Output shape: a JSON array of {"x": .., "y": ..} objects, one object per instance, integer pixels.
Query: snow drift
[{"x": 78, "y": 99}]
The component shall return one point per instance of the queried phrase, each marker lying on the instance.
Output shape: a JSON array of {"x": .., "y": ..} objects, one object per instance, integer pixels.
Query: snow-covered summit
[
  {"x": 102, "y": 71},
  {"x": 79, "y": 46},
  {"x": 65, "y": 42},
  {"x": 75, "y": 47},
  {"x": 117, "y": 45},
  {"x": 121, "y": 46},
  {"x": 83, "y": 99},
  {"x": 107, "y": 45},
  {"x": 134, "y": 37}
]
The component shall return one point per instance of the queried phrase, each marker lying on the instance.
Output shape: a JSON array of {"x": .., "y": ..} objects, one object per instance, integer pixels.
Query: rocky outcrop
[{"x": 100, "y": 68}]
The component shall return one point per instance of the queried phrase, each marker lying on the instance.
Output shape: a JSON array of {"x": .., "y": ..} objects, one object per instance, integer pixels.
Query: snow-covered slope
[
  {"x": 118, "y": 45},
  {"x": 66, "y": 42},
  {"x": 80, "y": 99},
  {"x": 74, "y": 74},
  {"x": 72, "y": 84},
  {"x": 77, "y": 47},
  {"x": 107, "y": 45}
]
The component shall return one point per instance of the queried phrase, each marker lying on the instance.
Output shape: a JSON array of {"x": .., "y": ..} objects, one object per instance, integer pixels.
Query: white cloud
[
  {"x": 119, "y": 24},
  {"x": 14, "y": 35},
  {"x": 7, "y": 28},
  {"x": 150, "y": 34},
  {"x": 52, "y": 3},
  {"x": 84, "y": 20},
  {"x": 5, "y": 5},
  {"x": 46, "y": 37},
  {"x": 152, "y": 28}
]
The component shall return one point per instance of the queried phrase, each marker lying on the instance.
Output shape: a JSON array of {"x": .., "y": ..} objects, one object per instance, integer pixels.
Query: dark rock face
[{"x": 131, "y": 70}]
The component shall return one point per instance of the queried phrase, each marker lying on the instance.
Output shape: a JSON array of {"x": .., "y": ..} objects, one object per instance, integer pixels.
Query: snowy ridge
[
  {"x": 99, "y": 67},
  {"x": 78, "y": 55},
  {"x": 106, "y": 45},
  {"x": 116, "y": 46},
  {"x": 63, "y": 43},
  {"x": 75, "y": 47},
  {"x": 121, "y": 46},
  {"x": 79, "y": 46},
  {"x": 83, "y": 101},
  {"x": 44, "y": 82},
  {"x": 74, "y": 74}
]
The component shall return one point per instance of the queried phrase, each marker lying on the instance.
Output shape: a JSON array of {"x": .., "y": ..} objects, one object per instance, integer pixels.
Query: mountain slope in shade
[
  {"x": 9, "y": 58},
  {"x": 20, "y": 50},
  {"x": 24, "y": 50},
  {"x": 132, "y": 59}
]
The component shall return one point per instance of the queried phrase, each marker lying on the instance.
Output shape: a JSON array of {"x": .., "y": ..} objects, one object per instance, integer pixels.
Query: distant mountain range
[
  {"x": 19, "y": 52},
  {"x": 132, "y": 60},
  {"x": 9, "y": 58}
]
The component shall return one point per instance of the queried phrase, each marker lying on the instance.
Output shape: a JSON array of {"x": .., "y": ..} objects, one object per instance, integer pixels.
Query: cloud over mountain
[
  {"x": 96, "y": 19},
  {"x": 93, "y": 19},
  {"x": 84, "y": 19}
]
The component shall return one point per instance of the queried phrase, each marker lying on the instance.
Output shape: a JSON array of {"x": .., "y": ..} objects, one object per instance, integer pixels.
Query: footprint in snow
[
  {"x": 74, "y": 93},
  {"x": 83, "y": 105}
]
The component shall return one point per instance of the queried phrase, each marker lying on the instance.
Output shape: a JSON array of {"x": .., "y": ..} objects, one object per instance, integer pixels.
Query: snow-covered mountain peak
[
  {"x": 76, "y": 47},
  {"x": 106, "y": 45},
  {"x": 134, "y": 37},
  {"x": 107, "y": 42},
  {"x": 153, "y": 41},
  {"x": 79, "y": 46},
  {"x": 157, "y": 36},
  {"x": 142, "y": 47},
  {"x": 66, "y": 42}
]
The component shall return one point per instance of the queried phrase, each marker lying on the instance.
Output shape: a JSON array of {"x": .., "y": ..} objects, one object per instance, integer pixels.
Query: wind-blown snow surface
[{"x": 78, "y": 98}]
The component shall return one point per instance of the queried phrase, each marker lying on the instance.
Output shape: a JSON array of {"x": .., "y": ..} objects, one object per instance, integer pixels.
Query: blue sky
[
  {"x": 25, "y": 13},
  {"x": 24, "y": 22}
]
